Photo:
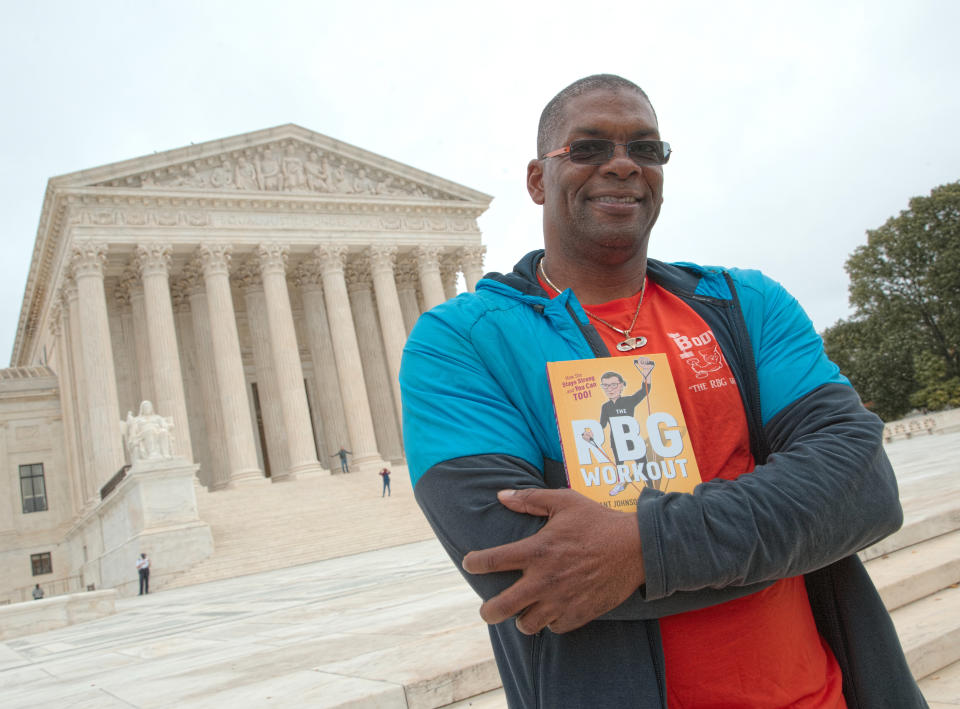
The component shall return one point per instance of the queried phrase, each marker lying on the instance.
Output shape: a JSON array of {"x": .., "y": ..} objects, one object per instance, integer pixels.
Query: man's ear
[{"x": 535, "y": 180}]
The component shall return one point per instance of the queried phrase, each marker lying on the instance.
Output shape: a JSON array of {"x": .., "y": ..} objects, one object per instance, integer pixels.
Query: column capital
[
  {"x": 272, "y": 258},
  {"x": 382, "y": 258},
  {"x": 126, "y": 285},
  {"x": 406, "y": 272},
  {"x": 428, "y": 257},
  {"x": 357, "y": 274},
  {"x": 191, "y": 279},
  {"x": 247, "y": 275},
  {"x": 307, "y": 277},
  {"x": 449, "y": 268},
  {"x": 214, "y": 258},
  {"x": 180, "y": 290},
  {"x": 88, "y": 259},
  {"x": 472, "y": 257},
  {"x": 331, "y": 258},
  {"x": 153, "y": 259}
]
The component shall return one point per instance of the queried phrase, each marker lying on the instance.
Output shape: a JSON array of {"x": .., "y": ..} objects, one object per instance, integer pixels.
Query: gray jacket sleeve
[{"x": 826, "y": 491}]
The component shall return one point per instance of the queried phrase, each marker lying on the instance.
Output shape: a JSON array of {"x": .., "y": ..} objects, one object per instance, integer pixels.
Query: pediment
[{"x": 287, "y": 160}]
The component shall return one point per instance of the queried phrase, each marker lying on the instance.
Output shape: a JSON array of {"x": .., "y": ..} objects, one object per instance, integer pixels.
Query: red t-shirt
[{"x": 763, "y": 650}]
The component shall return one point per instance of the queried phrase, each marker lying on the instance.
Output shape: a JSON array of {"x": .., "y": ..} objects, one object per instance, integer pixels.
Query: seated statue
[{"x": 147, "y": 436}]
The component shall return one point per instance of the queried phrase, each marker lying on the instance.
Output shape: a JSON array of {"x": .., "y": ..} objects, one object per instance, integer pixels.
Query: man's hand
[{"x": 586, "y": 560}]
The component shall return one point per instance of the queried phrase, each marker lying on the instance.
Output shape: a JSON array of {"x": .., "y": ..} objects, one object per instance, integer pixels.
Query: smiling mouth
[{"x": 607, "y": 199}]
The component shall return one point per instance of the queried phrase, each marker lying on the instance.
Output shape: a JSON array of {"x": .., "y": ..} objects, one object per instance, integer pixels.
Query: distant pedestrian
[
  {"x": 143, "y": 569},
  {"x": 37, "y": 592},
  {"x": 385, "y": 474},
  {"x": 343, "y": 459}
]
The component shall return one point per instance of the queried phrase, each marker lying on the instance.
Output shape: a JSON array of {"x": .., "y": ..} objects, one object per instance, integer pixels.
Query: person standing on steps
[
  {"x": 343, "y": 452},
  {"x": 143, "y": 570},
  {"x": 385, "y": 474}
]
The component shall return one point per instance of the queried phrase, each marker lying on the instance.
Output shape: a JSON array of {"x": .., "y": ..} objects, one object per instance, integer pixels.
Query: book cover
[{"x": 621, "y": 428}]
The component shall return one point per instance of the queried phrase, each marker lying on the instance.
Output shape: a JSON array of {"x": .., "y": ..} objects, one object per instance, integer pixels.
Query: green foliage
[
  {"x": 901, "y": 348},
  {"x": 937, "y": 390},
  {"x": 880, "y": 370}
]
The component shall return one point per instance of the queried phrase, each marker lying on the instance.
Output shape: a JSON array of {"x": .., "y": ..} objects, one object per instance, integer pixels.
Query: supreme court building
[{"x": 258, "y": 290}]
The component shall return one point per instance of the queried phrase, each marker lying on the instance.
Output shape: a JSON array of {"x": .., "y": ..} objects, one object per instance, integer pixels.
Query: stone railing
[{"x": 925, "y": 424}]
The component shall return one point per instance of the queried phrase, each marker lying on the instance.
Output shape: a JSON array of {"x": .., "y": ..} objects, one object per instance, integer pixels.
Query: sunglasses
[{"x": 597, "y": 151}]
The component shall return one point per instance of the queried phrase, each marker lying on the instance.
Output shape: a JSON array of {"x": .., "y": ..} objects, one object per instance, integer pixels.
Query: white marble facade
[{"x": 257, "y": 290}]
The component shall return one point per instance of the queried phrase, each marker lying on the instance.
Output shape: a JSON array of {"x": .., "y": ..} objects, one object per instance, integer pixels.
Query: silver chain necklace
[{"x": 631, "y": 343}]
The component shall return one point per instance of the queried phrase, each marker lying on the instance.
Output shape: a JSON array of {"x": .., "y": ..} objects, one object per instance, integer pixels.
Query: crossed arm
[{"x": 554, "y": 559}]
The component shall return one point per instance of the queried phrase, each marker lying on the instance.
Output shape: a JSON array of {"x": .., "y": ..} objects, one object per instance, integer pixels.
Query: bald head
[{"x": 552, "y": 114}]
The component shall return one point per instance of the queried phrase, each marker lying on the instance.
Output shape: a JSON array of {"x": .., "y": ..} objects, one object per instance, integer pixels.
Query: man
[
  {"x": 37, "y": 592},
  {"x": 344, "y": 468},
  {"x": 143, "y": 571},
  {"x": 385, "y": 474},
  {"x": 746, "y": 593}
]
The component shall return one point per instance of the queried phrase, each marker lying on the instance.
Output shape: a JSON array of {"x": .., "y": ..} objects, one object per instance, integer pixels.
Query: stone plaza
[{"x": 399, "y": 628}]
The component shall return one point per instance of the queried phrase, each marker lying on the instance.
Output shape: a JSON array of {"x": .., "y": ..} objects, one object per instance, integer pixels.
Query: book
[{"x": 621, "y": 428}]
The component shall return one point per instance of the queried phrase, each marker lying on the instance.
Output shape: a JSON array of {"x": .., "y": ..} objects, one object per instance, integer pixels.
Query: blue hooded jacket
[{"x": 478, "y": 418}]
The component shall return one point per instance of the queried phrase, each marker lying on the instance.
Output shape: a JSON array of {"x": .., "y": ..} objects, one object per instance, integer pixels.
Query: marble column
[
  {"x": 471, "y": 259},
  {"x": 102, "y": 410},
  {"x": 374, "y": 361},
  {"x": 276, "y": 453},
  {"x": 141, "y": 343},
  {"x": 394, "y": 334},
  {"x": 228, "y": 364},
  {"x": 301, "y": 447},
  {"x": 59, "y": 326},
  {"x": 406, "y": 278},
  {"x": 128, "y": 389},
  {"x": 428, "y": 265},
  {"x": 326, "y": 392},
  {"x": 353, "y": 390},
  {"x": 193, "y": 399},
  {"x": 153, "y": 262},
  {"x": 216, "y": 474},
  {"x": 79, "y": 394}
]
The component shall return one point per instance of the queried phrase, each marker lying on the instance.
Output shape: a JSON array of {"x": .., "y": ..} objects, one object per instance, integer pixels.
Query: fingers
[
  {"x": 533, "y": 501},
  {"x": 513, "y": 601},
  {"x": 507, "y": 557}
]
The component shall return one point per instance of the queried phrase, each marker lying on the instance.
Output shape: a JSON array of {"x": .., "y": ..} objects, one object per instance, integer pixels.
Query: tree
[{"x": 904, "y": 336}]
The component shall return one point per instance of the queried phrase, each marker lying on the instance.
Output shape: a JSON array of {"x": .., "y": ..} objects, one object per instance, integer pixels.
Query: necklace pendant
[{"x": 632, "y": 343}]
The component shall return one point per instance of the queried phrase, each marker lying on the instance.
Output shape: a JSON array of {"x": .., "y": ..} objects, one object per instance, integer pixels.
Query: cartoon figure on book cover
[{"x": 617, "y": 404}]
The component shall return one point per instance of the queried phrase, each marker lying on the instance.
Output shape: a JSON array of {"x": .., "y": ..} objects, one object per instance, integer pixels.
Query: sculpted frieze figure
[
  {"x": 294, "y": 176},
  {"x": 268, "y": 170},
  {"x": 222, "y": 176},
  {"x": 191, "y": 179},
  {"x": 363, "y": 184},
  {"x": 147, "y": 436},
  {"x": 317, "y": 173},
  {"x": 341, "y": 181},
  {"x": 245, "y": 175}
]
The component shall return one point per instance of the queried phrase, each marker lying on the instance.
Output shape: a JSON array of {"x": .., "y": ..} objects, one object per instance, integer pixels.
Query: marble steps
[
  {"x": 929, "y": 631},
  {"x": 920, "y": 586},
  {"x": 269, "y": 526}
]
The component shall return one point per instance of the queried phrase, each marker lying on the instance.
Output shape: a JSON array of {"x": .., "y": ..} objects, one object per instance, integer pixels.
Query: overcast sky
[{"x": 795, "y": 126}]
